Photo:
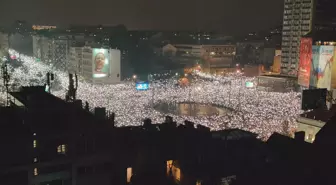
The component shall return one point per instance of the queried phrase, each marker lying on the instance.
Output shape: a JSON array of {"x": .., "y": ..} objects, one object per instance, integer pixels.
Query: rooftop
[
  {"x": 320, "y": 114},
  {"x": 279, "y": 76},
  {"x": 322, "y": 35}
]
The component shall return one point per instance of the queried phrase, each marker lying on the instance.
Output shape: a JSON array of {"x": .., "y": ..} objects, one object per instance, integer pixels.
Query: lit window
[
  {"x": 35, "y": 171},
  {"x": 129, "y": 174},
  {"x": 169, "y": 166},
  {"x": 61, "y": 149},
  {"x": 34, "y": 143}
]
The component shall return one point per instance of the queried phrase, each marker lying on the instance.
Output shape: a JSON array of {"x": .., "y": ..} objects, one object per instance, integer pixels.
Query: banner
[
  {"x": 333, "y": 71},
  {"x": 314, "y": 67},
  {"x": 305, "y": 61},
  {"x": 325, "y": 67},
  {"x": 100, "y": 63}
]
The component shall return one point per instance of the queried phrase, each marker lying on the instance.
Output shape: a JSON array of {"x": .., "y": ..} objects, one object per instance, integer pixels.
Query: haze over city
[{"x": 228, "y": 16}]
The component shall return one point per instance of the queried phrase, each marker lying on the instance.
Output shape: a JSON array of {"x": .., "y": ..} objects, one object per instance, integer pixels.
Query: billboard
[
  {"x": 325, "y": 65},
  {"x": 305, "y": 61},
  {"x": 333, "y": 72},
  {"x": 314, "y": 67},
  {"x": 100, "y": 63},
  {"x": 141, "y": 86}
]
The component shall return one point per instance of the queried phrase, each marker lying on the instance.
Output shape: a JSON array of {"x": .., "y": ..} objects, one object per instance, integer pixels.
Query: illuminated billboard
[
  {"x": 333, "y": 71},
  {"x": 100, "y": 63},
  {"x": 141, "y": 86},
  {"x": 325, "y": 65},
  {"x": 314, "y": 67},
  {"x": 305, "y": 62},
  {"x": 249, "y": 84}
]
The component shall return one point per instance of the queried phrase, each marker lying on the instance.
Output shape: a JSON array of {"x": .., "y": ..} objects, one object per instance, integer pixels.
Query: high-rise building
[{"x": 300, "y": 18}]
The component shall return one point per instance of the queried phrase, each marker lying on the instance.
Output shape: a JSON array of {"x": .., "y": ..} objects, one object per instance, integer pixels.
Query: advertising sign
[
  {"x": 100, "y": 63},
  {"x": 325, "y": 66},
  {"x": 305, "y": 62},
  {"x": 249, "y": 84},
  {"x": 314, "y": 68},
  {"x": 333, "y": 71},
  {"x": 141, "y": 86}
]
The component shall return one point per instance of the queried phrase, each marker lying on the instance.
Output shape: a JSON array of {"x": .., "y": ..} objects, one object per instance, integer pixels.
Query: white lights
[
  {"x": 257, "y": 111},
  {"x": 35, "y": 172},
  {"x": 34, "y": 143},
  {"x": 61, "y": 149}
]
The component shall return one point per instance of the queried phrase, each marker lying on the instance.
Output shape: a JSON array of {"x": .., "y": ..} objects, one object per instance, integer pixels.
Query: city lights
[{"x": 257, "y": 111}]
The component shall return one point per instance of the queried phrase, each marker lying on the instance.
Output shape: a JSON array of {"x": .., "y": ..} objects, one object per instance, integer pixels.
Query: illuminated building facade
[
  {"x": 211, "y": 57},
  {"x": 42, "y": 27},
  {"x": 300, "y": 18},
  {"x": 297, "y": 21},
  {"x": 52, "y": 50},
  {"x": 95, "y": 65}
]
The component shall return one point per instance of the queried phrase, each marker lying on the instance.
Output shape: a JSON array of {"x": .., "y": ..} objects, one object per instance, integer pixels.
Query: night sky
[{"x": 227, "y": 16}]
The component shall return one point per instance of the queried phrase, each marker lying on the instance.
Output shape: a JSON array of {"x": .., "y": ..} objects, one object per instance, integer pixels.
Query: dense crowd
[{"x": 252, "y": 110}]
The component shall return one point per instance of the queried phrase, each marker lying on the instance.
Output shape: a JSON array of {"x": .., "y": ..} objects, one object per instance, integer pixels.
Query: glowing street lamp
[{"x": 134, "y": 77}]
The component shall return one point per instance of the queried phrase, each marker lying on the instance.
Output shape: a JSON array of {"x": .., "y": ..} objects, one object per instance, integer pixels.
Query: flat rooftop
[{"x": 320, "y": 114}]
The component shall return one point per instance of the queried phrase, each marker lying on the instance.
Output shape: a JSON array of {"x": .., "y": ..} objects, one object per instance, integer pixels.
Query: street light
[{"x": 134, "y": 77}]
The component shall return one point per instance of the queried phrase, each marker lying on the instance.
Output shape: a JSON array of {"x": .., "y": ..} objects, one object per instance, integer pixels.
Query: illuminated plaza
[{"x": 239, "y": 107}]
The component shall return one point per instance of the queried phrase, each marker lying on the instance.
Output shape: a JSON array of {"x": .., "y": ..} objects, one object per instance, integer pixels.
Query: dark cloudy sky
[{"x": 222, "y": 15}]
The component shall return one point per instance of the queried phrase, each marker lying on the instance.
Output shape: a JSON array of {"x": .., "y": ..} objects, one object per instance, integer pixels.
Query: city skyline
[{"x": 231, "y": 17}]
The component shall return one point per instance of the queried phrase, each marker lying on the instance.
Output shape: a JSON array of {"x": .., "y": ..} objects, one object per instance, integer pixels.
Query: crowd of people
[{"x": 257, "y": 111}]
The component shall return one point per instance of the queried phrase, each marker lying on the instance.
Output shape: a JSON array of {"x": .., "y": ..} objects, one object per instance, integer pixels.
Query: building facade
[
  {"x": 300, "y": 18},
  {"x": 52, "y": 50},
  {"x": 250, "y": 52},
  {"x": 212, "y": 56},
  {"x": 297, "y": 21},
  {"x": 4, "y": 41},
  {"x": 95, "y": 65}
]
